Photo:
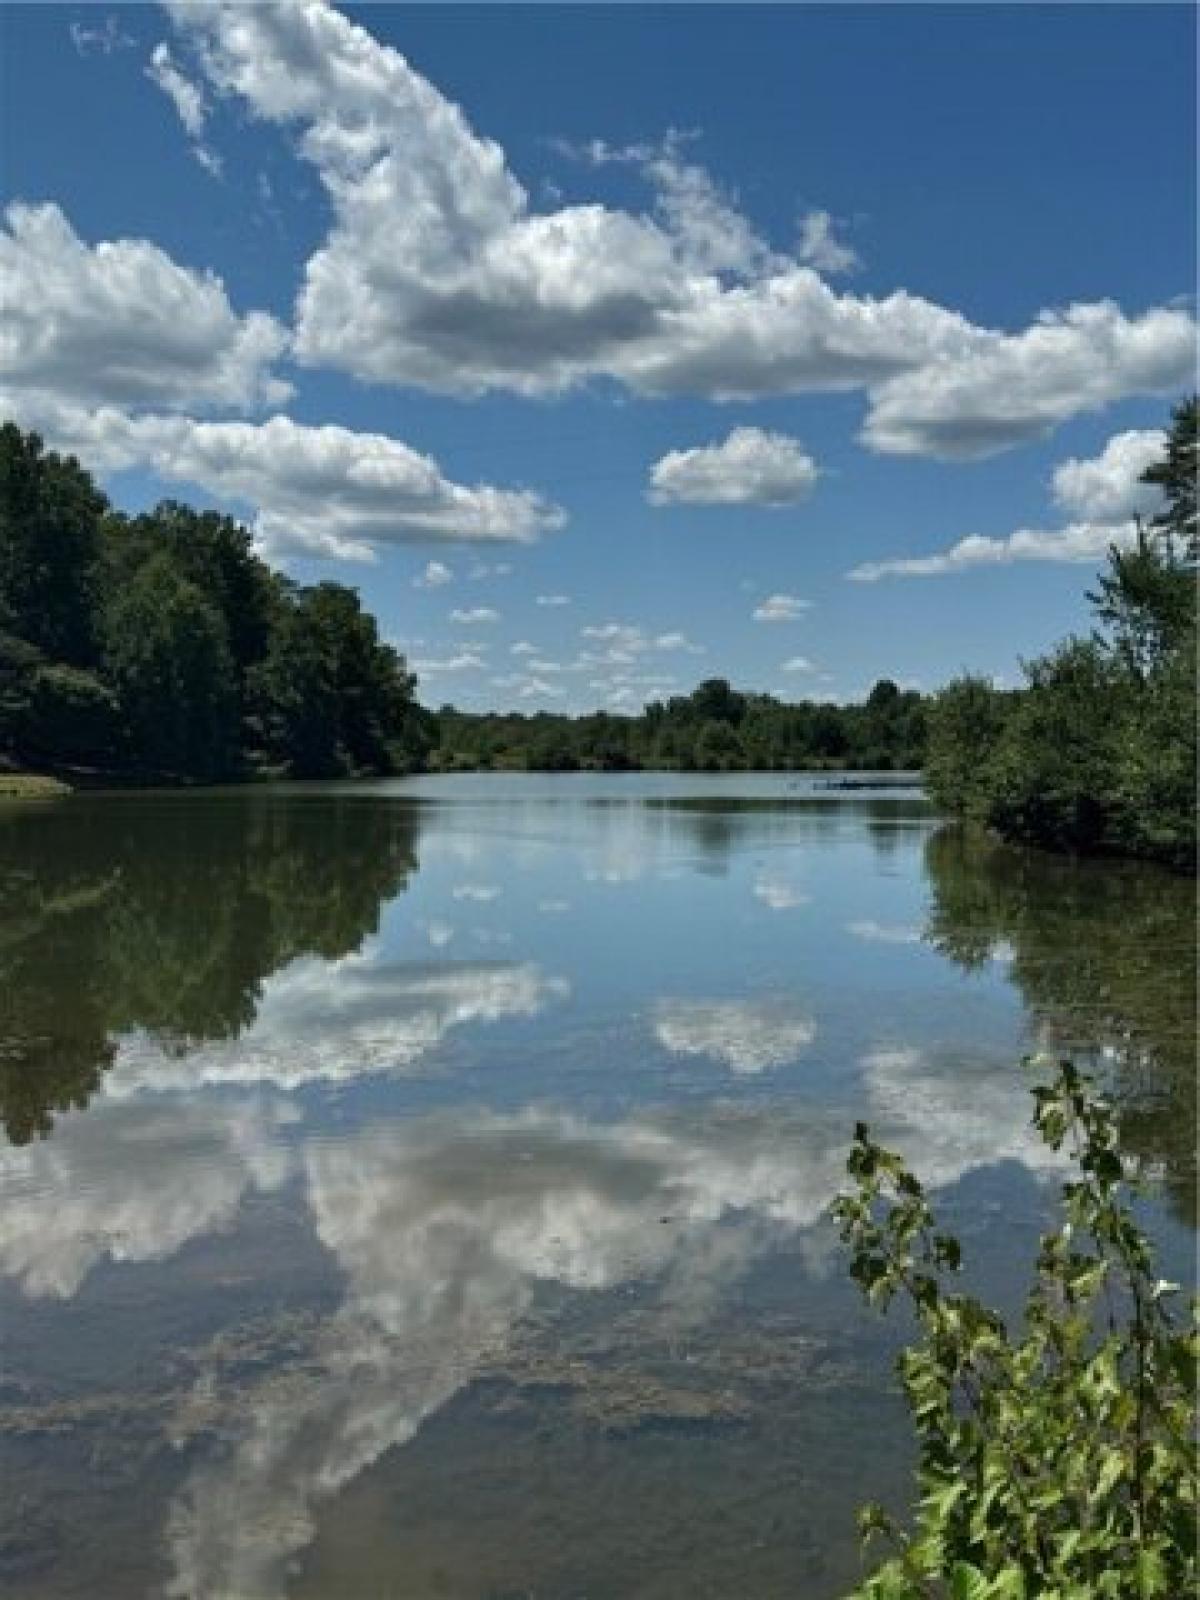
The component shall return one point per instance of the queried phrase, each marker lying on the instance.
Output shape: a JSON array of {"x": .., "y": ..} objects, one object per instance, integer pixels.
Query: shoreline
[{"x": 32, "y": 786}]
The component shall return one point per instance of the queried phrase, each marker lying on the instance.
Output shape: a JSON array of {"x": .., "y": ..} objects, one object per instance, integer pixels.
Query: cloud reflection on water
[
  {"x": 445, "y": 1229},
  {"x": 747, "y": 1036},
  {"x": 337, "y": 1020}
]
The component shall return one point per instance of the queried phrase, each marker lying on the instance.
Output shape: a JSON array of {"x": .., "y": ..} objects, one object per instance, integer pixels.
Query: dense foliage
[
  {"x": 1056, "y": 1461},
  {"x": 162, "y": 647},
  {"x": 1098, "y": 753},
  {"x": 714, "y": 729}
]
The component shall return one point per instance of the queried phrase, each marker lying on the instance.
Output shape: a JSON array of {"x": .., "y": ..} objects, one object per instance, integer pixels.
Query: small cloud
[
  {"x": 474, "y": 616},
  {"x": 436, "y": 573},
  {"x": 523, "y": 648},
  {"x": 439, "y": 934},
  {"x": 885, "y": 933},
  {"x": 819, "y": 248},
  {"x": 101, "y": 41},
  {"x": 749, "y": 468},
  {"x": 677, "y": 641},
  {"x": 481, "y": 892},
  {"x": 625, "y": 642},
  {"x": 552, "y": 600},
  {"x": 780, "y": 608},
  {"x": 464, "y": 661},
  {"x": 798, "y": 664},
  {"x": 189, "y": 102},
  {"x": 209, "y": 160}
]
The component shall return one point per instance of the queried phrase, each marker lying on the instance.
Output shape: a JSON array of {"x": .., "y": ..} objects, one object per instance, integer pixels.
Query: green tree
[
  {"x": 329, "y": 695},
  {"x": 294, "y": 697},
  {"x": 215, "y": 553},
  {"x": 1147, "y": 601},
  {"x": 714, "y": 701},
  {"x": 1176, "y": 475},
  {"x": 49, "y": 529},
  {"x": 167, "y": 655},
  {"x": 718, "y": 748},
  {"x": 70, "y": 717},
  {"x": 1051, "y": 779},
  {"x": 966, "y": 723},
  {"x": 372, "y": 689},
  {"x": 1099, "y": 752}
]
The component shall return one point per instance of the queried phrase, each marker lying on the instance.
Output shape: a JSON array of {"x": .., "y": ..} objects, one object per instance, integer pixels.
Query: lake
[{"x": 417, "y": 1188}]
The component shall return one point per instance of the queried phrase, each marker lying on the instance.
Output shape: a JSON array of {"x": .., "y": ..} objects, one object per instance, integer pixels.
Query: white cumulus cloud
[
  {"x": 1104, "y": 492},
  {"x": 439, "y": 272},
  {"x": 435, "y": 574},
  {"x": 1080, "y": 541},
  {"x": 1108, "y": 487},
  {"x": 322, "y": 491},
  {"x": 121, "y": 324},
  {"x": 750, "y": 467},
  {"x": 998, "y": 389}
]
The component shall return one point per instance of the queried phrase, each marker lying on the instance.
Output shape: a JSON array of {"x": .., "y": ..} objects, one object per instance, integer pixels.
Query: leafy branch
[{"x": 1057, "y": 1461}]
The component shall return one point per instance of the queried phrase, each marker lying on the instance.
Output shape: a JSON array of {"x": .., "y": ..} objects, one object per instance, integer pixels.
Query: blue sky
[{"x": 683, "y": 314}]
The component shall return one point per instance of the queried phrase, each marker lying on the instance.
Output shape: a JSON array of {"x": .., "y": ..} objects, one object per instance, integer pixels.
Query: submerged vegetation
[
  {"x": 1098, "y": 753},
  {"x": 1057, "y": 1460}
]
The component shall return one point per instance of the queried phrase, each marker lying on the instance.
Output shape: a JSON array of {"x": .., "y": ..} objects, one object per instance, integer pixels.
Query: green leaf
[{"x": 968, "y": 1583}]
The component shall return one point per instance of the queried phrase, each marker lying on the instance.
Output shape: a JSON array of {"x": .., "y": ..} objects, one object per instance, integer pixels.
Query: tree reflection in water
[
  {"x": 1103, "y": 953},
  {"x": 165, "y": 915}
]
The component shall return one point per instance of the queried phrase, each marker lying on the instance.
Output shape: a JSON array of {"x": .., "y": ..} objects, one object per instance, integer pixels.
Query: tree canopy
[
  {"x": 1098, "y": 753},
  {"x": 162, "y": 648}
]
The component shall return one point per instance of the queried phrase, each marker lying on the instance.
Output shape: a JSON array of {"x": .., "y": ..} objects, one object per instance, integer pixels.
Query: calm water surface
[{"x": 416, "y": 1189}]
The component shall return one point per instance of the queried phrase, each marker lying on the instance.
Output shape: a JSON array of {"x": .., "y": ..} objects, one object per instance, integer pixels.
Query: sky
[{"x": 605, "y": 348}]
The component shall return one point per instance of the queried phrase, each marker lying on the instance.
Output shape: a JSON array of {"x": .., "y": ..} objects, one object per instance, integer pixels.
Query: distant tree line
[
  {"x": 1098, "y": 752},
  {"x": 713, "y": 729},
  {"x": 161, "y": 647}
]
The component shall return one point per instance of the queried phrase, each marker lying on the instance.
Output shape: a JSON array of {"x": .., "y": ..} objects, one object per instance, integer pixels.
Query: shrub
[{"x": 1057, "y": 1461}]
